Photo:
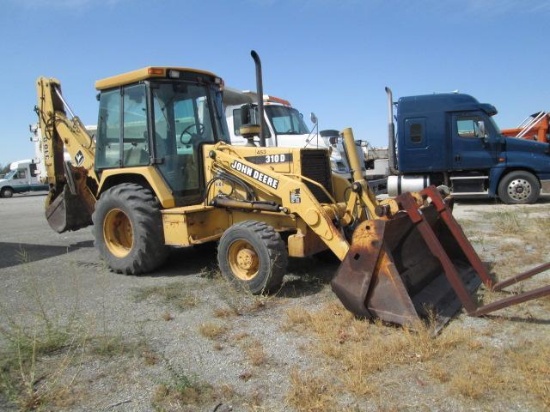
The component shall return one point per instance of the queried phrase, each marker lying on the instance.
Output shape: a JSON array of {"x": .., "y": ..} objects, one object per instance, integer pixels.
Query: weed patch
[
  {"x": 310, "y": 393},
  {"x": 174, "y": 294}
]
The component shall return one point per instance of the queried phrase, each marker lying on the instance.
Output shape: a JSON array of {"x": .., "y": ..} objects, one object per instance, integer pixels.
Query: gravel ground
[{"x": 144, "y": 341}]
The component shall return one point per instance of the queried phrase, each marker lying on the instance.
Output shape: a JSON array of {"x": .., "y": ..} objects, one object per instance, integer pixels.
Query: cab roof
[{"x": 150, "y": 72}]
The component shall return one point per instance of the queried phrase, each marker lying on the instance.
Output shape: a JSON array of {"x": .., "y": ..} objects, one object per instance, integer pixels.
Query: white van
[{"x": 22, "y": 177}]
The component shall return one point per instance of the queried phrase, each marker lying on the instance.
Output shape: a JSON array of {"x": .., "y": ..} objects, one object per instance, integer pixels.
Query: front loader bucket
[
  {"x": 415, "y": 265},
  {"x": 400, "y": 279},
  {"x": 67, "y": 212},
  {"x": 419, "y": 263}
]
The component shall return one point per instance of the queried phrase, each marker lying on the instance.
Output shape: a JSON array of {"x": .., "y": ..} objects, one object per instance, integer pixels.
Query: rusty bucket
[
  {"x": 67, "y": 211},
  {"x": 390, "y": 272},
  {"x": 418, "y": 264}
]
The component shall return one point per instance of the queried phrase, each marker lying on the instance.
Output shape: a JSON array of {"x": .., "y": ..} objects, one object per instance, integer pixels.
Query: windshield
[
  {"x": 182, "y": 111},
  {"x": 286, "y": 120},
  {"x": 494, "y": 124},
  {"x": 10, "y": 174},
  {"x": 185, "y": 116}
]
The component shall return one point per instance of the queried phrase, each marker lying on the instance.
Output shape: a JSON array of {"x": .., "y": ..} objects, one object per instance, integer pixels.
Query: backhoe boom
[{"x": 70, "y": 202}]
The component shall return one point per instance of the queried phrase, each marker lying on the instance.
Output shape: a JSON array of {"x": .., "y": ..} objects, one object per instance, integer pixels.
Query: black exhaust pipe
[{"x": 260, "y": 92}]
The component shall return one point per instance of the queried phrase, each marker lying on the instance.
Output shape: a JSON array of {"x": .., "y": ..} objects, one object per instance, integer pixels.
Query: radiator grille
[{"x": 316, "y": 166}]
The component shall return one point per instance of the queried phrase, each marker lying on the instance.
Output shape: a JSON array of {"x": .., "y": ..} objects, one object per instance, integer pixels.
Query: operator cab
[{"x": 161, "y": 117}]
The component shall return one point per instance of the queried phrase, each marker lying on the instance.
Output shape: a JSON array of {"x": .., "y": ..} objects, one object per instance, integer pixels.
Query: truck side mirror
[
  {"x": 481, "y": 129},
  {"x": 313, "y": 118}
]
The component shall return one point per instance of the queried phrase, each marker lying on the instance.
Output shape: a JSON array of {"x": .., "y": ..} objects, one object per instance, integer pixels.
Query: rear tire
[
  {"x": 252, "y": 255},
  {"x": 128, "y": 229},
  {"x": 519, "y": 187}
]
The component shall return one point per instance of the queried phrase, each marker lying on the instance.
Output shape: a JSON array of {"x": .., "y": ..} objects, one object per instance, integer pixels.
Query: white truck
[
  {"x": 22, "y": 177},
  {"x": 374, "y": 160},
  {"x": 285, "y": 124}
]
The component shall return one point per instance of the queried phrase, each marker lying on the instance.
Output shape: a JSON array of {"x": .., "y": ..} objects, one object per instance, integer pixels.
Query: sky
[{"x": 330, "y": 57}]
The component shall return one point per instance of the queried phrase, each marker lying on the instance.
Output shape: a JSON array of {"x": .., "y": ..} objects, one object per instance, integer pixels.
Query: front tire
[
  {"x": 252, "y": 255},
  {"x": 519, "y": 187},
  {"x": 128, "y": 229},
  {"x": 6, "y": 192}
]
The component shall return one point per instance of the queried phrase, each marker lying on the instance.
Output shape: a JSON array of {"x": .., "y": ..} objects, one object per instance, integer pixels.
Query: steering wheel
[{"x": 199, "y": 127}]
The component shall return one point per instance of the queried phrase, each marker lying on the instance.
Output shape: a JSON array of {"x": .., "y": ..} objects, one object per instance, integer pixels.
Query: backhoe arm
[{"x": 71, "y": 200}]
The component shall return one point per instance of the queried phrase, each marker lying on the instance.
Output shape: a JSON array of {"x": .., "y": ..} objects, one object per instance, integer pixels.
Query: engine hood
[{"x": 525, "y": 145}]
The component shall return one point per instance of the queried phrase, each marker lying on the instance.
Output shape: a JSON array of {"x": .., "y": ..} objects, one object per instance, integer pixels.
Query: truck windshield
[
  {"x": 286, "y": 120},
  {"x": 10, "y": 174},
  {"x": 494, "y": 124}
]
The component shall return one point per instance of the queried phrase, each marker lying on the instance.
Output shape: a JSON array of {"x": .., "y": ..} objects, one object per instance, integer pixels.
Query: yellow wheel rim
[
  {"x": 118, "y": 233},
  {"x": 243, "y": 260}
]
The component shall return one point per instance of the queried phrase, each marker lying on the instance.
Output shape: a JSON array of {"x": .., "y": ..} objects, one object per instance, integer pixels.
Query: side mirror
[
  {"x": 250, "y": 126},
  {"x": 249, "y": 115},
  {"x": 481, "y": 129},
  {"x": 313, "y": 118}
]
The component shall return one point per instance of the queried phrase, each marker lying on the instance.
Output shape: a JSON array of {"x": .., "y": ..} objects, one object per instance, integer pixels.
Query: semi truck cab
[{"x": 452, "y": 139}]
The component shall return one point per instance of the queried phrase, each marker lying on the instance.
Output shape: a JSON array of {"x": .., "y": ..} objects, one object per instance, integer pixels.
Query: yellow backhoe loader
[{"x": 160, "y": 172}]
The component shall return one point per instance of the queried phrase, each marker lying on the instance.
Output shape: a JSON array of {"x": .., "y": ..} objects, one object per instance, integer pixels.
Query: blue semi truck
[{"x": 451, "y": 139}]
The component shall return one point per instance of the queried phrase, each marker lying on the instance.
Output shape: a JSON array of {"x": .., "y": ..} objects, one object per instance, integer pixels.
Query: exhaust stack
[
  {"x": 392, "y": 160},
  {"x": 260, "y": 91}
]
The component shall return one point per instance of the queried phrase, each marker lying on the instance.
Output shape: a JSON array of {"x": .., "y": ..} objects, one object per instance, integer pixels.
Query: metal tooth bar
[
  {"x": 476, "y": 263},
  {"x": 518, "y": 278},
  {"x": 512, "y": 300},
  {"x": 458, "y": 234},
  {"x": 409, "y": 205}
]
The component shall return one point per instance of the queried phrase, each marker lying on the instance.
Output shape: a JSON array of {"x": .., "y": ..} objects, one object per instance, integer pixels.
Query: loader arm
[
  {"x": 71, "y": 200},
  {"x": 326, "y": 220},
  {"x": 319, "y": 217}
]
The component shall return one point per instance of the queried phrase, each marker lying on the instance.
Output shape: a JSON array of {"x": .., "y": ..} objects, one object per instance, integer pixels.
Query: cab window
[
  {"x": 122, "y": 128},
  {"x": 468, "y": 127}
]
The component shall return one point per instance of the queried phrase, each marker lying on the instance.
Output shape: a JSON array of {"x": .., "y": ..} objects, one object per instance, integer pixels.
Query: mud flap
[
  {"x": 396, "y": 273},
  {"x": 67, "y": 212}
]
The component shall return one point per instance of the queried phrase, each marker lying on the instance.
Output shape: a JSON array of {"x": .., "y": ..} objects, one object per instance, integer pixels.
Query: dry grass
[
  {"x": 174, "y": 294},
  {"x": 182, "y": 393},
  {"x": 212, "y": 330},
  {"x": 532, "y": 360},
  {"x": 254, "y": 350},
  {"x": 239, "y": 301},
  {"x": 361, "y": 359},
  {"x": 310, "y": 393}
]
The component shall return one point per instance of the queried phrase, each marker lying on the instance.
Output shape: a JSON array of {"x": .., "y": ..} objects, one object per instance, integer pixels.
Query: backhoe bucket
[
  {"x": 397, "y": 269},
  {"x": 67, "y": 212}
]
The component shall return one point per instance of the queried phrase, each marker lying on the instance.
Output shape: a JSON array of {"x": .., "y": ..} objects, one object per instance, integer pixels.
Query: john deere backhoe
[{"x": 160, "y": 173}]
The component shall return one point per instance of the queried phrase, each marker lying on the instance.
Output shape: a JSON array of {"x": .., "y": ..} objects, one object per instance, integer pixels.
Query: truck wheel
[
  {"x": 6, "y": 192},
  {"x": 519, "y": 187},
  {"x": 252, "y": 254},
  {"x": 128, "y": 229}
]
